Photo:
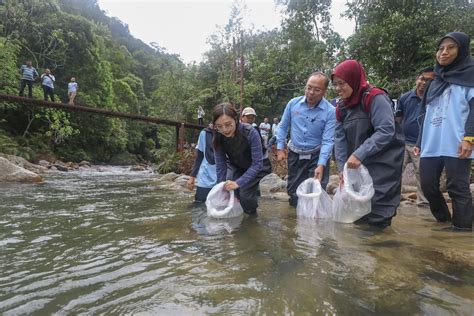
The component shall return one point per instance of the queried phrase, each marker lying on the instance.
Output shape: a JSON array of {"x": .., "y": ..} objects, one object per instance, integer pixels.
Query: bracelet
[{"x": 469, "y": 139}]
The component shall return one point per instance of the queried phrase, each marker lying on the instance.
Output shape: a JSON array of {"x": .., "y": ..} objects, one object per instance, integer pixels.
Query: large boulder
[
  {"x": 13, "y": 173},
  {"x": 24, "y": 163},
  {"x": 272, "y": 183}
]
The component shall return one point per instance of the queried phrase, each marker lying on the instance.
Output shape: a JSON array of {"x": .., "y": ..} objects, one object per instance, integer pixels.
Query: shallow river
[{"x": 108, "y": 241}]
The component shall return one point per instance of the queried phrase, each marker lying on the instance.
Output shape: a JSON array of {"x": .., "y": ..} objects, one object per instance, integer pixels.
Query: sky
[{"x": 183, "y": 26}]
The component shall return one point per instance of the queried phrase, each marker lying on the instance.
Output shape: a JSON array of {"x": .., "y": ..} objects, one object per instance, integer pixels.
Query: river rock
[
  {"x": 137, "y": 168},
  {"x": 272, "y": 183},
  {"x": 13, "y": 173},
  {"x": 44, "y": 163},
  {"x": 169, "y": 177},
  {"x": 85, "y": 163},
  {"x": 24, "y": 163},
  {"x": 181, "y": 180},
  {"x": 332, "y": 184},
  {"x": 60, "y": 167}
]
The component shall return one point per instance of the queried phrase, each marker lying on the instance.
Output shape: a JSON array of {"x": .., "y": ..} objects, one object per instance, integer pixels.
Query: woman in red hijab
[{"x": 366, "y": 134}]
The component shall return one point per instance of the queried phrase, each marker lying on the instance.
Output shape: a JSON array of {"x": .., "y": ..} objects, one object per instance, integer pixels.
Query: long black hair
[{"x": 219, "y": 110}]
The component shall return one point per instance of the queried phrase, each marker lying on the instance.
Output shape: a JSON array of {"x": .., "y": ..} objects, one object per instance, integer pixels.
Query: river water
[{"x": 109, "y": 241}]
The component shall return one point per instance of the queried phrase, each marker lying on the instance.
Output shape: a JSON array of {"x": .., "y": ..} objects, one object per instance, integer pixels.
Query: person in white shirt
[
  {"x": 276, "y": 122},
  {"x": 47, "y": 83},
  {"x": 72, "y": 90},
  {"x": 265, "y": 130}
]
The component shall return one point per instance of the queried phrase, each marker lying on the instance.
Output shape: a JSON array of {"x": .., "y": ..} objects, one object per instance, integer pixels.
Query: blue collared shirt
[
  {"x": 409, "y": 107},
  {"x": 310, "y": 126}
]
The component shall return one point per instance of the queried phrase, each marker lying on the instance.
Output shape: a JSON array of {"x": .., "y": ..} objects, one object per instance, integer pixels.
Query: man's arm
[{"x": 283, "y": 127}]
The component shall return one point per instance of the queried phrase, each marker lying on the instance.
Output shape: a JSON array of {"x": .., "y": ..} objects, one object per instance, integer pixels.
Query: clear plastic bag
[
  {"x": 353, "y": 200},
  {"x": 222, "y": 204},
  {"x": 313, "y": 201}
]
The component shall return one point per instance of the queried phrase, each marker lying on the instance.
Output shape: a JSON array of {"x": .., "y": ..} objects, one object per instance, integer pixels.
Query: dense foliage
[{"x": 116, "y": 71}]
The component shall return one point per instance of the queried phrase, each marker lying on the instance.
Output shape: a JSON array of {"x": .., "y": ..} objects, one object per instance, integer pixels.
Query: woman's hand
[
  {"x": 464, "y": 150},
  {"x": 353, "y": 162},
  {"x": 190, "y": 183},
  {"x": 230, "y": 185},
  {"x": 416, "y": 151}
]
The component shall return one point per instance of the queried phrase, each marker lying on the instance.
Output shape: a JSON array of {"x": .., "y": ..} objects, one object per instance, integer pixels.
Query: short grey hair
[{"x": 321, "y": 74}]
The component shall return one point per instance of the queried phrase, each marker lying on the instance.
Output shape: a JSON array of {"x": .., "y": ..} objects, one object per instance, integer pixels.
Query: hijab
[
  {"x": 353, "y": 74},
  {"x": 460, "y": 71}
]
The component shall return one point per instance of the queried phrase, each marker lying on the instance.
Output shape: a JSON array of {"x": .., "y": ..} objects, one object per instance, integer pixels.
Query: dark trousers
[
  {"x": 23, "y": 84},
  {"x": 48, "y": 91},
  {"x": 457, "y": 183},
  {"x": 201, "y": 194},
  {"x": 200, "y": 121},
  {"x": 249, "y": 194},
  {"x": 300, "y": 170}
]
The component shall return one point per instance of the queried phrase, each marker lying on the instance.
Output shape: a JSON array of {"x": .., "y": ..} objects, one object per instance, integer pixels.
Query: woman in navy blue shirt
[{"x": 238, "y": 156}]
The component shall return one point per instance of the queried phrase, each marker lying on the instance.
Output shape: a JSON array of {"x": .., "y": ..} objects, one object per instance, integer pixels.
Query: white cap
[{"x": 248, "y": 111}]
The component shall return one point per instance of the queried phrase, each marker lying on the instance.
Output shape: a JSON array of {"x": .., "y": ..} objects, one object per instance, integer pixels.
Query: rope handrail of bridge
[{"x": 81, "y": 108}]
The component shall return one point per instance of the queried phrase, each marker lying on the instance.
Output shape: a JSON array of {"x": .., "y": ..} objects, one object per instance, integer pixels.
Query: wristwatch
[{"x": 469, "y": 139}]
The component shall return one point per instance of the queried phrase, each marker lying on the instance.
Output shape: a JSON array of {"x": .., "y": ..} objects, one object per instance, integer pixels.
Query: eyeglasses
[
  {"x": 314, "y": 89},
  {"x": 226, "y": 126},
  {"x": 447, "y": 48},
  {"x": 339, "y": 84}
]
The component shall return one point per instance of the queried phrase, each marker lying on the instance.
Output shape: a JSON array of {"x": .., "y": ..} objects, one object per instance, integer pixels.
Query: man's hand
[
  {"x": 353, "y": 162},
  {"x": 416, "y": 151},
  {"x": 230, "y": 185},
  {"x": 464, "y": 150},
  {"x": 318, "y": 173},
  {"x": 281, "y": 155}
]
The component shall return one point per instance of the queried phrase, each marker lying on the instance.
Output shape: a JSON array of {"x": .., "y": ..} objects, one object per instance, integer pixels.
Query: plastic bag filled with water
[
  {"x": 222, "y": 204},
  {"x": 313, "y": 201},
  {"x": 353, "y": 199}
]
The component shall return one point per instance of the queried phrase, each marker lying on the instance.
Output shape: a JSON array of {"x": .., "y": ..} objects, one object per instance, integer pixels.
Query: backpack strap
[{"x": 369, "y": 94}]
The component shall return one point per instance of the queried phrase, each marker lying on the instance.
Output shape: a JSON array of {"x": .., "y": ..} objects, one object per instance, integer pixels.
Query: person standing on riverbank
[
  {"x": 28, "y": 76},
  {"x": 366, "y": 133},
  {"x": 407, "y": 113},
  {"x": 47, "y": 83},
  {"x": 200, "y": 115},
  {"x": 204, "y": 168},
  {"x": 72, "y": 90},
  {"x": 238, "y": 155},
  {"x": 310, "y": 120},
  {"x": 446, "y": 139}
]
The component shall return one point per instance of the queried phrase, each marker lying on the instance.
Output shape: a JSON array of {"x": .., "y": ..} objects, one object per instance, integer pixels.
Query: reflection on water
[{"x": 108, "y": 241}]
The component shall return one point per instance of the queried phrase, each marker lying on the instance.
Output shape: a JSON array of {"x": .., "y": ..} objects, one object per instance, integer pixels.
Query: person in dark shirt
[
  {"x": 238, "y": 156},
  {"x": 407, "y": 114}
]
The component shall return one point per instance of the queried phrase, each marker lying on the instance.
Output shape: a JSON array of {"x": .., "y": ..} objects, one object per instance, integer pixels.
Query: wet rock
[
  {"x": 332, "y": 184},
  {"x": 85, "y": 163},
  {"x": 181, "y": 180},
  {"x": 44, "y": 163},
  {"x": 137, "y": 168},
  {"x": 60, "y": 167},
  {"x": 13, "y": 173},
  {"x": 24, "y": 163},
  {"x": 169, "y": 177},
  {"x": 272, "y": 183}
]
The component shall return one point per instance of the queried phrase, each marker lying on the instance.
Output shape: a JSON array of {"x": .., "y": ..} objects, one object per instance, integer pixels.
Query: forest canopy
[{"x": 114, "y": 70}]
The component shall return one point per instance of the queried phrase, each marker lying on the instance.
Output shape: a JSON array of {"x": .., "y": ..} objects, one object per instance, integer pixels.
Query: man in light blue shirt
[{"x": 311, "y": 121}]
